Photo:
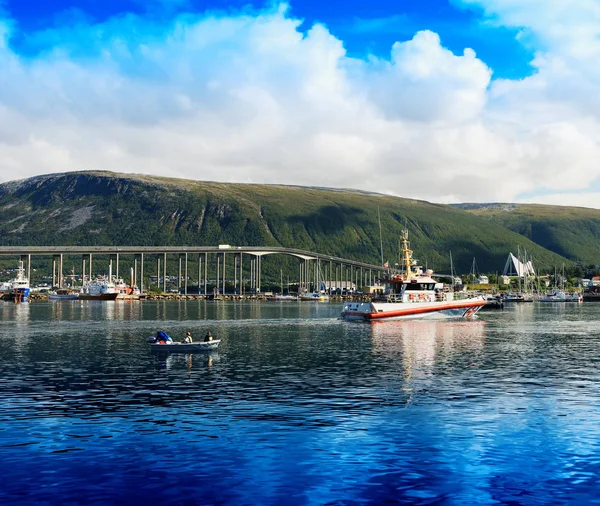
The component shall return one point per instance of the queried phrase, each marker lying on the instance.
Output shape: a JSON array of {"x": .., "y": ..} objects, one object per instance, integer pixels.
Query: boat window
[{"x": 420, "y": 286}]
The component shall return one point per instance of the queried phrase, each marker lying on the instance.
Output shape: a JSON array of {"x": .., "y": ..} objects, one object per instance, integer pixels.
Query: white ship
[
  {"x": 100, "y": 288},
  {"x": 17, "y": 288},
  {"x": 413, "y": 294}
]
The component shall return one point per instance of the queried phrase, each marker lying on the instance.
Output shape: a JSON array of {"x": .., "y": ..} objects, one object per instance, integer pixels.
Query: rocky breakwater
[{"x": 37, "y": 296}]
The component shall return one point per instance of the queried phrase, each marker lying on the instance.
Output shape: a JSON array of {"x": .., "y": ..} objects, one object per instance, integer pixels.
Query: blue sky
[
  {"x": 366, "y": 27},
  {"x": 447, "y": 101}
]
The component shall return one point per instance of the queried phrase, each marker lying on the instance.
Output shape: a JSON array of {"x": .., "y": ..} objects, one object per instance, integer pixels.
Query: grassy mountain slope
[
  {"x": 572, "y": 232},
  {"x": 104, "y": 208}
]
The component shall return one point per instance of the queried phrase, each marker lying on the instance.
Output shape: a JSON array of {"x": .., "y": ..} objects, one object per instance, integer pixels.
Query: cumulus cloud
[{"x": 250, "y": 97}]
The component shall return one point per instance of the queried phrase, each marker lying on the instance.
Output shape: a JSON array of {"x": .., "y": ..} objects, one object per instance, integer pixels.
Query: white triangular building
[{"x": 514, "y": 267}]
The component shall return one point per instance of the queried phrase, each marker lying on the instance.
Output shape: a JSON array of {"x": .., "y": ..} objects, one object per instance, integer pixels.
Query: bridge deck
[{"x": 153, "y": 250}]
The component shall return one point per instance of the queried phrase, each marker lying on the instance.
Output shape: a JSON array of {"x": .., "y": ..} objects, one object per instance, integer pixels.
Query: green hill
[
  {"x": 102, "y": 208},
  {"x": 572, "y": 232}
]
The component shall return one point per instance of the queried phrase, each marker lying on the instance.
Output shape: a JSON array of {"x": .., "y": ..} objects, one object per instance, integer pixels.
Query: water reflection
[
  {"x": 22, "y": 313},
  {"x": 297, "y": 407},
  {"x": 418, "y": 353},
  {"x": 180, "y": 361},
  {"x": 421, "y": 341}
]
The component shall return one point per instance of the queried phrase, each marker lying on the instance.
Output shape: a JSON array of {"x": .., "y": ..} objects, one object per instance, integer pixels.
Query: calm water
[{"x": 297, "y": 407}]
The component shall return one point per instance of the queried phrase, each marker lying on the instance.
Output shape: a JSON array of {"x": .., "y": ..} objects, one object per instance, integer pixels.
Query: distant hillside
[
  {"x": 101, "y": 208},
  {"x": 572, "y": 232}
]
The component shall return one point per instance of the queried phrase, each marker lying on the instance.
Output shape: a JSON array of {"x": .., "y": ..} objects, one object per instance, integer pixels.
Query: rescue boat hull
[{"x": 380, "y": 311}]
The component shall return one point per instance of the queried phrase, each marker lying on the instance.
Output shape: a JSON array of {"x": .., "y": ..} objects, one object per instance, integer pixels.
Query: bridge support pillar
[
  {"x": 164, "y": 272},
  {"x": 218, "y": 275},
  {"x": 199, "y": 271},
  {"x": 235, "y": 274},
  {"x": 185, "y": 280},
  {"x": 205, "y": 272},
  {"x": 60, "y": 271},
  {"x": 158, "y": 272},
  {"x": 141, "y": 273},
  {"x": 179, "y": 273}
]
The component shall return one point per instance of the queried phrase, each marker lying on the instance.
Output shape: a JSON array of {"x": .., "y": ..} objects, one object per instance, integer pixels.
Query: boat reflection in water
[
  {"x": 22, "y": 316},
  {"x": 186, "y": 361},
  {"x": 428, "y": 348}
]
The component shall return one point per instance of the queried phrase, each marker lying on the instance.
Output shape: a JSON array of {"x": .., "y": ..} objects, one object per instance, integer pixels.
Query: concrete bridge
[{"x": 314, "y": 267}]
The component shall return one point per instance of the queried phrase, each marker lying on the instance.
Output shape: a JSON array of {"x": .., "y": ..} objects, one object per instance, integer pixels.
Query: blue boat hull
[{"x": 20, "y": 294}]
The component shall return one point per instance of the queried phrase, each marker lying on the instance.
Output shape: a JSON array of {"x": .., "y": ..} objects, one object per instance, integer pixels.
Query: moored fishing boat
[
  {"x": 315, "y": 296},
  {"x": 561, "y": 296},
  {"x": 17, "y": 289},
  {"x": 127, "y": 292},
  {"x": 280, "y": 297},
  {"x": 63, "y": 294},
  {"x": 99, "y": 289},
  {"x": 517, "y": 297},
  {"x": 413, "y": 294}
]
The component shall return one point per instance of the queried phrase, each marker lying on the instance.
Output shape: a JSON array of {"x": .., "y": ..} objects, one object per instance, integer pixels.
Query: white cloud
[{"x": 248, "y": 97}]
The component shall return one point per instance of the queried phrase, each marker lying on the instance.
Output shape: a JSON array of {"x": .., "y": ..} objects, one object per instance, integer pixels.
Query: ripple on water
[{"x": 298, "y": 407}]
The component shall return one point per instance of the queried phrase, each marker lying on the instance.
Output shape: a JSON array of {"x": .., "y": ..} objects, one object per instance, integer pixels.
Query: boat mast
[
  {"x": 452, "y": 271},
  {"x": 526, "y": 269},
  {"x": 406, "y": 254},
  {"x": 380, "y": 235},
  {"x": 519, "y": 265}
]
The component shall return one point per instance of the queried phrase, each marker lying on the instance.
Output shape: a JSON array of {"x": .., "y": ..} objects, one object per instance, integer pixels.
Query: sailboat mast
[
  {"x": 519, "y": 265},
  {"x": 526, "y": 270}
]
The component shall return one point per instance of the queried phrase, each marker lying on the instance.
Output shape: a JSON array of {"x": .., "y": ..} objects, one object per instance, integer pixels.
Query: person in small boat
[
  {"x": 188, "y": 338},
  {"x": 208, "y": 336},
  {"x": 162, "y": 337}
]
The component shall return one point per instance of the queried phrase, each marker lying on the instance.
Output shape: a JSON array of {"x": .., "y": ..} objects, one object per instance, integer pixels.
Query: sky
[{"x": 441, "y": 100}]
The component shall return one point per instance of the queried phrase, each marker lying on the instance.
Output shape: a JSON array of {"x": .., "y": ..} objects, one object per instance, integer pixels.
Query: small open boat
[
  {"x": 185, "y": 347},
  {"x": 63, "y": 294}
]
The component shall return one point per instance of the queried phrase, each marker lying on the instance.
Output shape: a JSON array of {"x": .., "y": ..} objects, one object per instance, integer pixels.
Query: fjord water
[{"x": 298, "y": 407}]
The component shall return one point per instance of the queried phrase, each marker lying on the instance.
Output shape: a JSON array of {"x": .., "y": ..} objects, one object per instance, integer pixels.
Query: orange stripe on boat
[{"x": 420, "y": 310}]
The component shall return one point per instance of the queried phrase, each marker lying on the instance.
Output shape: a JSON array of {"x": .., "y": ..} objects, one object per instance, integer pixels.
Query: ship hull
[
  {"x": 19, "y": 295},
  {"x": 381, "y": 311},
  {"x": 100, "y": 296}
]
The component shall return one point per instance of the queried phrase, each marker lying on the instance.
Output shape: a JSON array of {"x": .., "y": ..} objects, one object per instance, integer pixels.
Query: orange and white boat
[
  {"x": 127, "y": 292},
  {"x": 412, "y": 294}
]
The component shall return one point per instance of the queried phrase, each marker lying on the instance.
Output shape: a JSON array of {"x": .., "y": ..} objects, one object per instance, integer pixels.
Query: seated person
[
  {"x": 188, "y": 338},
  {"x": 208, "y": 336}
]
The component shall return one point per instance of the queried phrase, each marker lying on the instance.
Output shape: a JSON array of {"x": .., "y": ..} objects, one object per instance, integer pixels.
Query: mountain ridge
[{"x": 111, "y": 208}]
